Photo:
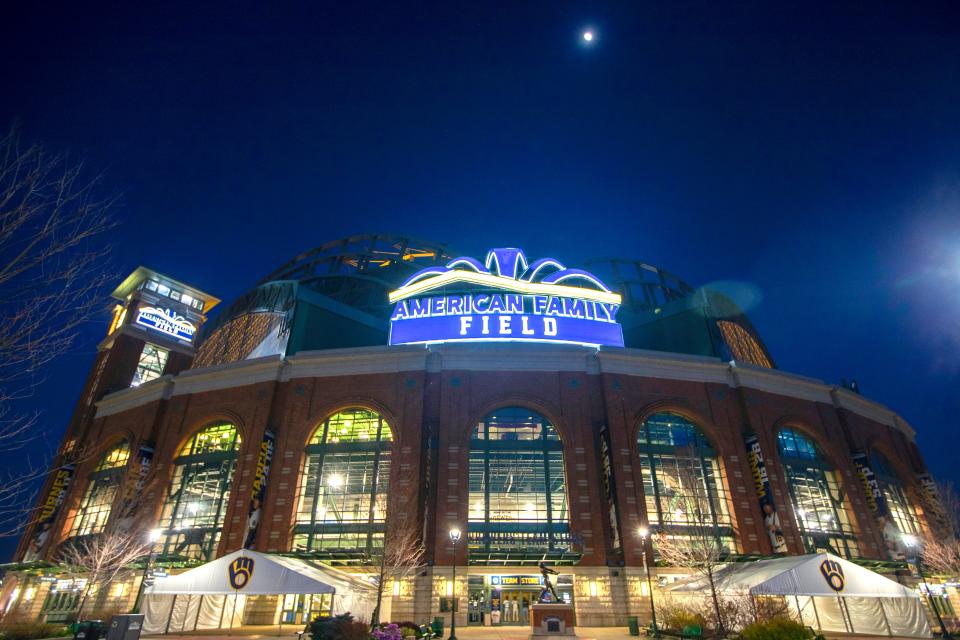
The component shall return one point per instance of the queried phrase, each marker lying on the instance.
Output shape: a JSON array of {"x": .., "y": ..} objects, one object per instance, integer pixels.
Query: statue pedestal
[{"x": 548, "y": 620}]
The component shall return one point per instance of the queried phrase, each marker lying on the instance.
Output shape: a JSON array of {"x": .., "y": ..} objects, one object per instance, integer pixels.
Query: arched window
[
  {"x": 683, "y": 480},
  {"x": 193, "y": 514},
  {"x": 101, "y": 490},
  {"x": 902, "y": 512},
  {"x": 343, "y": 490},
  {"x": 818, "y": 501},
  {"x": 518, "y": 497}
]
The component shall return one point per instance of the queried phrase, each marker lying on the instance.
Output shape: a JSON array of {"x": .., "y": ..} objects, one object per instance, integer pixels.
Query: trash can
[
  {"x": 125, "y": 627},
  {"x": 438, "y": 626},
  {"x": 89, "y": 630},
  {"x": 633, "y": 623}
]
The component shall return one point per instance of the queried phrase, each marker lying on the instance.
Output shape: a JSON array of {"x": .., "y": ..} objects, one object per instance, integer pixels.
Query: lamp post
[
  {"x": 913, "y": 543},
  {"x": 644, "y": 532},
  {"x": 454, "y": 538},
  {"x": 153, "y": 537}
]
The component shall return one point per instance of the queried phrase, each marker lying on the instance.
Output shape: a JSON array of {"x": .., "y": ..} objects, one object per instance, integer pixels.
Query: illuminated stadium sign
[
  {"x": 166, "y": 322},
  {"x": 505, "y": 299}
]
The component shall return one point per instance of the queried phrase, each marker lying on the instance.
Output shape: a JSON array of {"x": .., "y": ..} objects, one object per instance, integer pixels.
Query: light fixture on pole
[
  {"x": 454, "y": 538},
  {"x": 914, "y": 543},
  {"x": 153, "y": 536},
  {"x": 644, "y": 533}
]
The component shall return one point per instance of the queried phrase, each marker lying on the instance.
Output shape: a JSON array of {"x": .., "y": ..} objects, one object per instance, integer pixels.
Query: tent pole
[
  {"x": 885, "y": 620},
  {"x": 816, "y": 614},
  {"x": 282, "y": 597},
  {"x": 845, "y": 612},
  {"x": 223, "y": 610},
  {"x": 170, "y": 617},
  {"x": 196, "y": 620},
  {"x": 799, "y": 610},
  {"x": 232, "y": 614}
]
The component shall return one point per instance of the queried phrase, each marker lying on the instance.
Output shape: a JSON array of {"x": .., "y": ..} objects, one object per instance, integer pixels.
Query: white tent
[
  {"x": 200, "y": 598},
  {"x": 825, "y": 592}
]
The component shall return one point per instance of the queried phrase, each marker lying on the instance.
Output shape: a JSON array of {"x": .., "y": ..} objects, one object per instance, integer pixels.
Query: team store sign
[{"x": 506, "y": 298}]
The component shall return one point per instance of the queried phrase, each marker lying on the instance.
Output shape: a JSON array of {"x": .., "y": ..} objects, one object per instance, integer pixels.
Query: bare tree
[
  {"x": 52, "y": 255},
  {"x": 401, "y": 556},
  {"x": 103, "y": 556},
  {"x": 698, "y": 547},
  {"x": 941, "y": 553}
]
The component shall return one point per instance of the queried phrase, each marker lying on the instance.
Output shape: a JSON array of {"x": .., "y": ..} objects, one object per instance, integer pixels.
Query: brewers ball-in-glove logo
[
  {"x": 833, "y": 574},
  {"x": 240, "y": 572}
]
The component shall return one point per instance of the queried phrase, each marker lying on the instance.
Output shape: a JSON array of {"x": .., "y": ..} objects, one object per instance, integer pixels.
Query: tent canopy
[
  {"x": 265, "y": 575},
  {"x": 808, "y": 575}
]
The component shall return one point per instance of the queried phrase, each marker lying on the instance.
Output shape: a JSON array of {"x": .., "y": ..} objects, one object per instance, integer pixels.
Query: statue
[{"x": 546, "y": 572}]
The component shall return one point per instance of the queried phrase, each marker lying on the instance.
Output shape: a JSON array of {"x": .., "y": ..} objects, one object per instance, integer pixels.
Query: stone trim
[{"x": 500, "y": 357}]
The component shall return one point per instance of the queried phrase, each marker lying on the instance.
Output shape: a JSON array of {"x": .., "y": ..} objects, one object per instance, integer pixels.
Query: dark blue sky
[{"x": 809, "y": 151}]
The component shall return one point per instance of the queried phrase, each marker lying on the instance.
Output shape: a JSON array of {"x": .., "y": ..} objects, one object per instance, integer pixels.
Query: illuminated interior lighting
[{"x": 498, "y": 282}]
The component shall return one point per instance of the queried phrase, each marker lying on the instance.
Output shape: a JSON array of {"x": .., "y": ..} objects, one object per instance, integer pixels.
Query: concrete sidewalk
[
  {"x": 466, "y": 633},
  {"x": 463, "y": 633}
]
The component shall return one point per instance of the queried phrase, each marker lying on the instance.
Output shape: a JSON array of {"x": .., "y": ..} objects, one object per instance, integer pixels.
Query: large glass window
[
  {"x": 818, "y": 501},
  {"x": 683, "y": 482},
  {"x": 518, "y": 497},
  {"x": 343, "y": 492},
  {"x": 101, "y": 490},
  {"x": 193, "y": 514},
  {"x": 902, "y": 512},
  {"x": 150, "y": 366}
]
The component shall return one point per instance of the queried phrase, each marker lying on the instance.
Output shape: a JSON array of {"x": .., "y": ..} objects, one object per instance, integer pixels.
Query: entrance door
[
  {"x": 477, "y": 609},
  {"x": 301, "y": 609}
]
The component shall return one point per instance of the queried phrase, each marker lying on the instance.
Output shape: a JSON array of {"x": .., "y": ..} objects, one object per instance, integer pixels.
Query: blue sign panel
[
  {"x": 508, "y": 299},
  {"x": 166, "y": 322}
]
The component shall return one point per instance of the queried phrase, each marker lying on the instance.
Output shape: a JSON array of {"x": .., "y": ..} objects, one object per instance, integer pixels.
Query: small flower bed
[{"x": 389, "y": 631}]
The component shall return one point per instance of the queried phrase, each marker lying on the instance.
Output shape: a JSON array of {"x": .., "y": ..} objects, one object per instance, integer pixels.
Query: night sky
[{"x": 810, "y": 153}]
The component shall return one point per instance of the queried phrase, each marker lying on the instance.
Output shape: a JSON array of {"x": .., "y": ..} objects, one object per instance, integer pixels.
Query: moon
[{"x": 588, "y": 36}]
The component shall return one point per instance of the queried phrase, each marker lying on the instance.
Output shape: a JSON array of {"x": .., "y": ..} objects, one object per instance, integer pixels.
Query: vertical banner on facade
[
  {"x": 761, "y": 483},
  {"x": 133, "y": 486},
  {"x": 871, "y": 487},
  {"x": 931, "y": 500},
  {"x": 49, "y": 511},
  {"x": 609, "y": 487},
  {"x": 892, "y": 538},
  {"x": 259, "y": 492}
]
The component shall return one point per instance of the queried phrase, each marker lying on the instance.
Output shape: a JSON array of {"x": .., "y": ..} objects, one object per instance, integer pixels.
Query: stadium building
[{"x": 549, "y": 411}]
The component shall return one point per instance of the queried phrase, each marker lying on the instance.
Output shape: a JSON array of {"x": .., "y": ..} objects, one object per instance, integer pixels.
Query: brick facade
[{"x": 433, "y": 398}]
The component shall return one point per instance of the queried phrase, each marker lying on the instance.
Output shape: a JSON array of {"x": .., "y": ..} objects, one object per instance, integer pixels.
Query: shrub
[
  {"x": 776, "y": 629},
  {"x": 408, "y": 629},
  {"x": 355, "y": 630},
  {"x": 679, "y": 619},
  {"x": 342, "y": 627},
  {"x": 31, "y": 630}
]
